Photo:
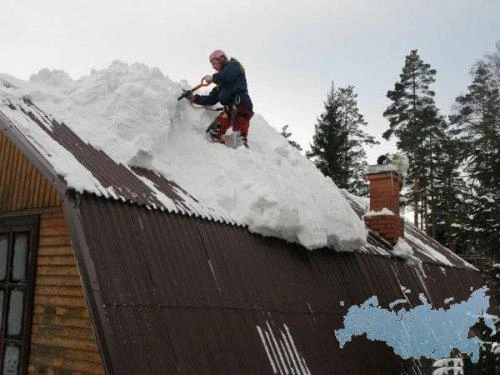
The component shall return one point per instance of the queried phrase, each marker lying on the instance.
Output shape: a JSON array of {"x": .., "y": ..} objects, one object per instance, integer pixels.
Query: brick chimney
[{"x": 384, "y": 197}]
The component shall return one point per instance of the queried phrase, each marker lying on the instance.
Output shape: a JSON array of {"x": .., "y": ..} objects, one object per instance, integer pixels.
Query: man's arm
[{"x": 210, "y": 99}]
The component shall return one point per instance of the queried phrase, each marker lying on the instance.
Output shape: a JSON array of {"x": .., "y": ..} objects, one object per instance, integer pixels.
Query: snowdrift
[{"x": 131, "y": 112}]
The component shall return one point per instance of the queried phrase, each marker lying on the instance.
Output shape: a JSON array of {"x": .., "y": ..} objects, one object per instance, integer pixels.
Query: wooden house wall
[
  {"x": 62, "y": 338},
  {"x": 21, "y": 186}
]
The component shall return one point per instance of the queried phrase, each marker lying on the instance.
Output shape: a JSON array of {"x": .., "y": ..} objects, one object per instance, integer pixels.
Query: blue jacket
[{"x": 230, "y": 81}]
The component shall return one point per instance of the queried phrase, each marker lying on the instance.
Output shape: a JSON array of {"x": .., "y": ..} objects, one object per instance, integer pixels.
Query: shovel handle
[{"x": 203, "y": 83}]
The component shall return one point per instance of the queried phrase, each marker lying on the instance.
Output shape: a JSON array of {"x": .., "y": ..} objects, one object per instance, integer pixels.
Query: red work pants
[{"x": 241, "y": 122}]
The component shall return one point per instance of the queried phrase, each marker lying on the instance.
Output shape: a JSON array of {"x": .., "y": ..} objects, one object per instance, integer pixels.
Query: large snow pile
[{"x": 131, "y": 112}]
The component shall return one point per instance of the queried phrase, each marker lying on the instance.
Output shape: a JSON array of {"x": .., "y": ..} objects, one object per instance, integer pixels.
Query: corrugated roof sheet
[{"x": 193, "y": 296}]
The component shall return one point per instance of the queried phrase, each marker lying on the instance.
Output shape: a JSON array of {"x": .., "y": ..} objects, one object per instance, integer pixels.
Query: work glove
[
  {"x": 190, "y": 97},
  {"x": 208, "y": 79}
]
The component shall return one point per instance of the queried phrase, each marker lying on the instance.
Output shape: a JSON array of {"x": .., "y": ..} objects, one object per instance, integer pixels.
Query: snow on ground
[
  {"x": 449, "y": 362},
  {"x": 131, "y": 112}
]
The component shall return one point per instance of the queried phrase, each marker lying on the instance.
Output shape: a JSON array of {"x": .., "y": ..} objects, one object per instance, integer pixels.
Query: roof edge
[{"x": 88, "y": 275}]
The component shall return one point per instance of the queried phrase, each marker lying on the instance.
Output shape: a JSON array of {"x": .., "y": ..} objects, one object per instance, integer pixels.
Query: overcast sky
[{"x": 292, "y": 51}]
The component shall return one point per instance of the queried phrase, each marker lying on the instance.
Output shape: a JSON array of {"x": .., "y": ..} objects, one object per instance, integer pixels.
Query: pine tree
[
  {"x": 447, "y": 193},
  {"x": 493, "y": 62},
  {"x": 414, "y": 120},
  {"x": 287, "y": 135},
  {"x": 477, "y": 119},
  {"x": 337, "y": 147}
]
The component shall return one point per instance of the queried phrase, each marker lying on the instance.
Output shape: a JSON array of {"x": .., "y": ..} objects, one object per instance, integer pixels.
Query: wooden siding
[
  {"x": 61, "y": 335},
  {"x": 21, "y": 186},
  {"x": 62, "y": 338}
]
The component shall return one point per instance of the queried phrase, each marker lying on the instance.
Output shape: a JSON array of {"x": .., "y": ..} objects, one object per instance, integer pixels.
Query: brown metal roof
[
  {"x": 170, "y": 293},
  {"x": 189, "y": 296}
]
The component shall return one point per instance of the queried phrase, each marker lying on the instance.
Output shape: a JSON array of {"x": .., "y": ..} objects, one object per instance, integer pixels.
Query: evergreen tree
[
  {"x": 474, "y": 151},
  {"x": 414, "y": 120},
  {"x": 493, "y": 62},
  {"x": 447, "y": 194},
  {"x": 337, "y": 147},
  {"x": 287, "y": 135},
  {"x": 477, "y": 120}
]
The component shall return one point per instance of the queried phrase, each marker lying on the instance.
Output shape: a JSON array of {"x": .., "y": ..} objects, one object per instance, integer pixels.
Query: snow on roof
[
  {"x": 417, "y": 243},
  {"x": 131, "y": 113}
]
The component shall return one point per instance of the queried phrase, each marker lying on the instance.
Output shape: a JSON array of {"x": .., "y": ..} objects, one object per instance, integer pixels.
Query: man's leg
[
  {"x": 242, "y": 124},
  {"x": 243, "y": 119},
  {"x": 218, "y": 128},
  {"x": 225, "y": 123}
]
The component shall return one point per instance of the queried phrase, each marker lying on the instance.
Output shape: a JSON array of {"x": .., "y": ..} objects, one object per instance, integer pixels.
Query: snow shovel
[{"x": 186, "y": 93}]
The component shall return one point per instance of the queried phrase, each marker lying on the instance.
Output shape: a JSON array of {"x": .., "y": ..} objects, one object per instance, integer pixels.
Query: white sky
[{"x": 291, "y": 50}]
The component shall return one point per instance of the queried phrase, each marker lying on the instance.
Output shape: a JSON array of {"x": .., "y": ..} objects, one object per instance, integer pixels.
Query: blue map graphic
[{"x": 421, "y": 331}]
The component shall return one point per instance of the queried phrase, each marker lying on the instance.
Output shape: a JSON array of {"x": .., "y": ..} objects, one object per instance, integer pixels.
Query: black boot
[{"x": 212, "y": 132}]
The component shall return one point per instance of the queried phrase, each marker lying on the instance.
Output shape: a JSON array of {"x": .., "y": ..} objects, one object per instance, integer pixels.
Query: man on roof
[{"x": 232, "y": 92}]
